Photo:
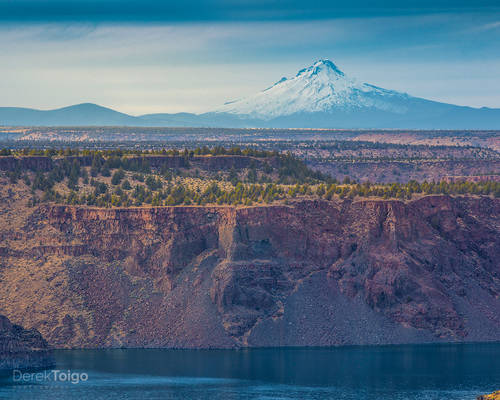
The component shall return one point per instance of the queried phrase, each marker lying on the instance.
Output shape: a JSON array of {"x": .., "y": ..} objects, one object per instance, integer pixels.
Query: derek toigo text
[{"x": 54, "y": 375}]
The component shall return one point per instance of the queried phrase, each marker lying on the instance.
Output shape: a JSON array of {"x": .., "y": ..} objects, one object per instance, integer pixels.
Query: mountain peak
[
  {"x": 321, "y": 66},
  {"x": 83, "y": 107},
  {"x": 321, "y": 87}
]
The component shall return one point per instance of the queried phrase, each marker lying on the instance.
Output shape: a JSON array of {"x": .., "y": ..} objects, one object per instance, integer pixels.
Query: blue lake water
[{"x": 436, "y": 372}]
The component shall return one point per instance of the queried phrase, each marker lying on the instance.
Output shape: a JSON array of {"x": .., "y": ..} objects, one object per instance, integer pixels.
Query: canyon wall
[
  {"x": 403, "y": 171},
  {"x": 373, "y": 171},
  {"x": 312, "y": 273}
]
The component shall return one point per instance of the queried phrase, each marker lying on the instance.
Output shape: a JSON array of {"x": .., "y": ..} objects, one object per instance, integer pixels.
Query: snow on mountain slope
[
  {"x": 322, "y": 87},
  {"x": 320, "y": 96}
]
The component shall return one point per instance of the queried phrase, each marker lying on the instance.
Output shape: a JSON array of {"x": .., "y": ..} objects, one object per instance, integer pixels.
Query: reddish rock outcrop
[
  {"x": 491, "y": 396},
  {"x": 472, "y": 178},
  {"x": 309, "y": 273},
  {"x": 34, "y": 163}
]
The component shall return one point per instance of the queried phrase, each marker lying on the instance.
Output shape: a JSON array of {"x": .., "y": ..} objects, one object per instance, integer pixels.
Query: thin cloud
[
  {"x": 487, "y": 27},
  {"x": 224, "y": 10}
]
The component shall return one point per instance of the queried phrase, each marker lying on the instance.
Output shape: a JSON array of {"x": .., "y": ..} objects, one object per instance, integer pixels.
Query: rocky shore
[
  {"x": 492, "y": 396},
  {"x": 22, "y": 348}
]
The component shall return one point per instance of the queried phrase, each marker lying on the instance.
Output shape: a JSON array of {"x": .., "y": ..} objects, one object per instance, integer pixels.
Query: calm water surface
[{"x": 439, "y": 372}]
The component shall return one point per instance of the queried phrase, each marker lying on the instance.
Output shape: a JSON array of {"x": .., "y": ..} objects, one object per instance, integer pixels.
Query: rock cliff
[
  {"x": 403, "y": 171},
  {"x": 310, "y": 273},
  {"x": 22, "y": 348}
]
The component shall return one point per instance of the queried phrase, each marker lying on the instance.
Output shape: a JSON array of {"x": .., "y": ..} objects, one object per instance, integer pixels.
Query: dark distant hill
[{"x": 86, "y": 114}]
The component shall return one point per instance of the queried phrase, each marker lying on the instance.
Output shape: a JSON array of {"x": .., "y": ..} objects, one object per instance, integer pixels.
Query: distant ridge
[
  {"x": 319, "y": 96},
  {"x": 79, "y": 114}
]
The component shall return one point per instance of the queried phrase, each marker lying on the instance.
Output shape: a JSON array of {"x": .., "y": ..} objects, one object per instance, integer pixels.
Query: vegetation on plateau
[{"x": 123, "y": 178}]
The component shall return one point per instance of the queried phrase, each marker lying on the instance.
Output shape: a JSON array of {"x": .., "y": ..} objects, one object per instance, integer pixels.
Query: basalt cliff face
[
  {"x": 403, "y": 171},
  {"x": 311, "y": 273}
]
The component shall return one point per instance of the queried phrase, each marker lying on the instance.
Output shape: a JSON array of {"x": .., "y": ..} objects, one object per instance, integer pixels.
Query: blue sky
[{"x": 147, "y": 56}]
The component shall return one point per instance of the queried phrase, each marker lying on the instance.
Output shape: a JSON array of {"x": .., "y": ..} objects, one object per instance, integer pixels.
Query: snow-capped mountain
[
  {"x": 322, "y": 87},
  {"x": 320, "y": 96}
]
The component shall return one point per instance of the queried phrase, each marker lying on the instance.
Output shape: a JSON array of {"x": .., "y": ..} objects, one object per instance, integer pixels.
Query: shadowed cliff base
[{"x": 22, "y": 348}]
